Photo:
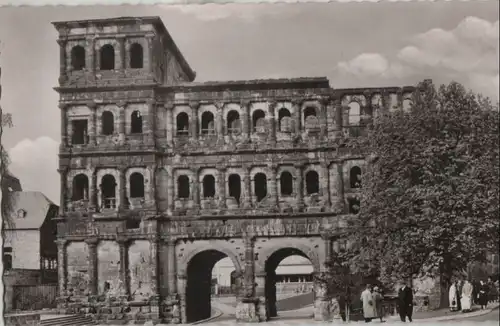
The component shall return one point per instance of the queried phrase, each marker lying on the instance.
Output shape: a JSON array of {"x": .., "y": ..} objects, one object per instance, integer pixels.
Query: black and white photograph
[{"x": 296, "y": 163}]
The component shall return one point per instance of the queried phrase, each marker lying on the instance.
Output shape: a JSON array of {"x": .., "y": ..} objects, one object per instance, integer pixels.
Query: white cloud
[
  {"x": 468, "y": 54},
  {"x": 35, "y": 163}
]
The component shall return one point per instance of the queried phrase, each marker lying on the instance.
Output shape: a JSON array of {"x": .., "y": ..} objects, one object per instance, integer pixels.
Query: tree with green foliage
[{"x": 430, "y": 188}]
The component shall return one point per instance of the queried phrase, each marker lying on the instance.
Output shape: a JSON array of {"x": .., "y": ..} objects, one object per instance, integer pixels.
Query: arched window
[
  {"x": 136, "y": 123},
  {"x": 182, "y": 124},
  {"x": 284, "y": 118},
  {"x": 312, "y": 182},
  {"x": 136, "y": 185},
  {"x": 208, "y": 186},
  {"x": 108, "y": 189},
  {"x": 107, "y": 56},
  {"x": 258, "y": 121},
  {"x": 233, "y": 122},
  {"x": 309, "y": 112},
  {"x": 78, "y": 57},
  {"x": 108, "y": 123},
  {"x": 286, "y": 183},
  {"x": 353, "y": 205},
  {"x": 80, "y": 187},
  {"x": 183, "y": 186},
  {"x": 354, "y": 114},
  {"x": 355, "y": 177},
  {"x": 311, "y": 122},
  {"x": 207, "y": 123},
  {"x": 260, "y": 186},
  {"x": 407, "y": 104},
  {"x": 234, "y": 181},
  {"x": 136, "y": 56}
]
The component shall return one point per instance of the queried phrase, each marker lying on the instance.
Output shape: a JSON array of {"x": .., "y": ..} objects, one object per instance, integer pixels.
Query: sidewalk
[{"x": 446, "y": 314}]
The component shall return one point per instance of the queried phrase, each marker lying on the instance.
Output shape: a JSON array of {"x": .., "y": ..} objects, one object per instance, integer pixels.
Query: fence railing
[{"x": 34, "y": 297}]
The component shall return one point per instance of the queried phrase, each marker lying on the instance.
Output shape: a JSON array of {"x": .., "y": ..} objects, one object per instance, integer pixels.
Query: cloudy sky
[{"x": 353, "y": 44}]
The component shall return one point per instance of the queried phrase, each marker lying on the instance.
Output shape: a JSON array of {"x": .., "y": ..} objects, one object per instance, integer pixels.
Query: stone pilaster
[
  {"x": 64, "y": 125},
  {"x": 338, "y": 183},
  {"x": 122, "y": 106},
  {"x": 170, "y": 124},
  {"x": 196, "y": 189},
  {"x": 322, "y": 300},
  {"x": 219, "y": 124},
  {"x": 194, "y": 120},
  {"x": 260, "y": 294},
  {"x": 93, "y": 263},
  {"x": 151, "y": 130},
  {"x": 245, "y": 120},
  {"x": 273, "y": 187},
  {"x": 63, "y": 191},
  {"x": 153, "y": 247},
  {"x": 93, "y": 123},
  {"x": 151, "y": 63},
  {"x": 337, "y": 126},
  {"x": 272, "y": 123},
  {"x": 247, "y": 198},
  {"x": 62, "y": 266},
  {"x": 153, "y": 200},
  {"x": 297, "y": 114},
  {"x": 170, "y": 190},
  {"x": 63, "y": 75},
  {"x": 247, "y": 307},
  {"x": 323, "y": 121},
  {"x": 94, "y": 203},
  {"x": 299, "y": 187},
  {"x": 121, "y": 49},
  {"x": 122, "y": 189},
  {"x": 172, "y": 274},
  {"x": 91, "y": 54},
  {"x": 124, "y": 267},
  {"x": 222, "y": 188},
  {"x": 326, "y": 184}
]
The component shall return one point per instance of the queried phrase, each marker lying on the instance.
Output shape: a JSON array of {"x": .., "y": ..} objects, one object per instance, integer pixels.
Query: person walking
[
  {"x": 378, "y": 299},
  {"x": 452, "y": 296},
  {"x": 368, "y": 304},
  {"x": 466, "y": 301},
  {"x": 483, "y": 295},
  {"x": 405, "y": 303},
  {"x": 459, "y": 294}
]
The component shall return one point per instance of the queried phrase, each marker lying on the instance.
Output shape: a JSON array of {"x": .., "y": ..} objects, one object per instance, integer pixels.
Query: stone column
[
  {"x": 247, "y": 198},
  {"x": 64, "y": 190},
  {"x": 93, "y": 265},
  {"x": 222, "y": 187},
  {"x": 299, "y": 187},
  {"x": 150, "y": 40},
  {"x": 64, "y": 125},
  {"x": 90, "y": 63},
  {"x": 245, "y": 120},
  {"x": 93, "y": 123},
  {"x": 337, "y": 121},
  {"x": 328, "y": 243},
  {"x": 62, "y": 266},
  {"x": 273, "y": 187},
  {"x": 326, "y": 184},
  {"x": 94, "y": 203},
  {"x": 122, "y": 106},
  {"x": 63, "y": 75},
  {"x": 194, "y": 120},
  {"x": 170, "y": 190},
  {"x": 220, "y": 124},
  {"x": 172, "y": 274},
  {"x": 272, "y": 123},
  {"x": 170, "y": 124},
  {"x": 124, "y": 266},
  {"x": 151, "y": 130},
  {"x": 260, "y": 294},
  {"x": 323, "y": 126},
  {"x": 196, "y": 190},
  {"x": 338, "y": 183},
  {"x": 247, "y": 308},
  {"x": 122, "y": 189},
  {"x": 153, "y": 247},
  {"x": 121, "y": 49},
  {"x": 322, "y": 298},
  {"x": 297, "y": 112}
]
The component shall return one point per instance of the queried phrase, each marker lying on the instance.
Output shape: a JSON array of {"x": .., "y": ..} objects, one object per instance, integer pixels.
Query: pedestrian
[
  {"x": 378, "y": 300},
  {"x": 483, "y": 295},
  {"x": 492, "y": 293},
  {"x": 466, "y": 301},
  {"x": 368, "y": 304},
  {"x": 459, "y": 294},
  {"x": 405, "y": 302},
  {"x": 452, "y": 295}
]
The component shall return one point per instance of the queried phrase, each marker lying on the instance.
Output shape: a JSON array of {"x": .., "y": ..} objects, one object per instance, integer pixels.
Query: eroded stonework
[{"x": 162, "y": 177}]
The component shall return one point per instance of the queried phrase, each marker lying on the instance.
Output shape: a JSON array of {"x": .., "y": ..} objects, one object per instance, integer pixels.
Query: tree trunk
[{"x": 446, "y": 274}]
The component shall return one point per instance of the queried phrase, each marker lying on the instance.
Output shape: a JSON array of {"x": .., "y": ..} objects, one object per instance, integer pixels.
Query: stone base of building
[
  {"x": 248, "y": 311},
  {"x": 322, "y": 310},
  {"x": 111, "y": 312}
]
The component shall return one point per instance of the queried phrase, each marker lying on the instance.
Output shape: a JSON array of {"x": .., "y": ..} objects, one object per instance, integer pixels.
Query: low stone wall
[
  {"x": 26, "y": 319},
  {"x": 18, "y": 277}
]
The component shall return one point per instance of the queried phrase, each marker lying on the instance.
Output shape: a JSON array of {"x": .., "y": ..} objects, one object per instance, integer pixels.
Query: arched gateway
[{"x": 167, "y": 193}]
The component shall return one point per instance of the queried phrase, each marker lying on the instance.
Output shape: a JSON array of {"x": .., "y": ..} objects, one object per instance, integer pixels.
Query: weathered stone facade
[{"x": 161, "y": 177}]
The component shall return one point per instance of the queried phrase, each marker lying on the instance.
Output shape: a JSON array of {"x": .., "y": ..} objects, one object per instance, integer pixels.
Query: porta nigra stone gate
[{"x": 162, "y": 177}]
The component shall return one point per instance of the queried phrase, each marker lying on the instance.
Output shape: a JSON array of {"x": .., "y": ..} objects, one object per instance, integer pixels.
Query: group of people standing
[
  {"x": 463, "y": 294},
  {"x": 372, "y": 299}
]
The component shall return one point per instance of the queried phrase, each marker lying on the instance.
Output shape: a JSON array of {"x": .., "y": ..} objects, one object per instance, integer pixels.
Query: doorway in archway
[
  {"x": 288, "y": 281},
  {"x": 203, "y": 282}
]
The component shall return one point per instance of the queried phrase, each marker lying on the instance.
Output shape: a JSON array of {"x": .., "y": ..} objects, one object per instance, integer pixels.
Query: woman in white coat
[
  {"x": 453, "y": 297},
  {"x": 368, "y": 304},
  {"x": 466, "y": 300}
]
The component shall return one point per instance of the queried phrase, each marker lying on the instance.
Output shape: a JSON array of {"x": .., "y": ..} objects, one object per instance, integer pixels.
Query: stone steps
[{"x": 73, "y": 320}]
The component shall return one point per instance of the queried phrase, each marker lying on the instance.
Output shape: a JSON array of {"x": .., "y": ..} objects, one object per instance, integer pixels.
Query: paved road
[{"x": 493, "y": 315}]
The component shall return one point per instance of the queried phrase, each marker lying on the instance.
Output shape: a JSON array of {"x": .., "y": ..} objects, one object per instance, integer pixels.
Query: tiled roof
[{"x": 29, "y": 210}]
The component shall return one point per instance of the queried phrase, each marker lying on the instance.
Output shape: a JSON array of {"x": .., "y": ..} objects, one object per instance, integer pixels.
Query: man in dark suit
[{"x": 405, "y": 302}]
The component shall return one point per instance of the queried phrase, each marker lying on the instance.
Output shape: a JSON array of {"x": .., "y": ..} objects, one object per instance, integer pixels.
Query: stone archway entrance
[
  {"x": 271, "y": 265},
  {"x": 199, "y": 284}
]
